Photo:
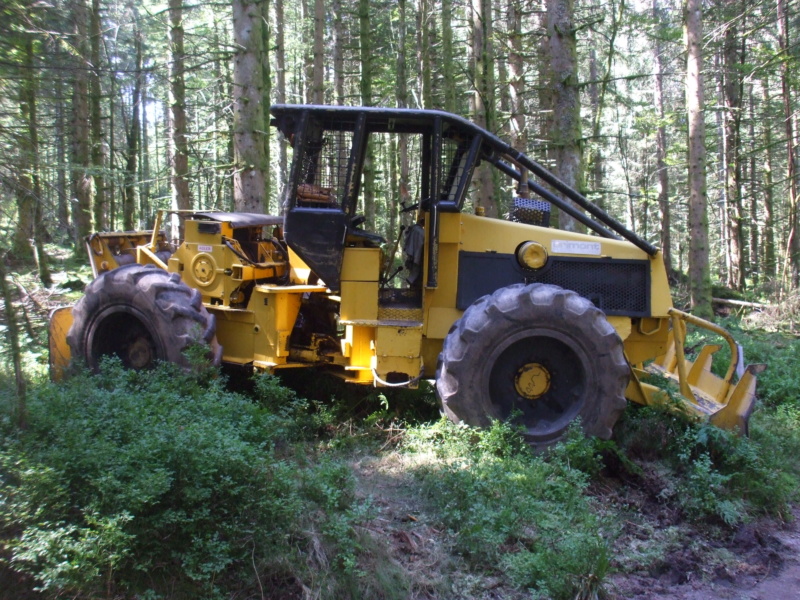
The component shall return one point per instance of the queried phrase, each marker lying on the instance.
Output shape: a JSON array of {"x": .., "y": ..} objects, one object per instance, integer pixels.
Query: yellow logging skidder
[{"x": 510, "y": 316}]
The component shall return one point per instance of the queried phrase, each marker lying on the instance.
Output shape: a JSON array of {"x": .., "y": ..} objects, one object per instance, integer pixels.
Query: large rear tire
[
  {"x": 538, "y": 354},
  {"x": 142, "y": 314}
]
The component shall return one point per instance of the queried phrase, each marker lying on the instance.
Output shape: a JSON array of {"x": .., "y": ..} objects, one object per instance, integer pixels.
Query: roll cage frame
[{"x": 318, "y": 231}]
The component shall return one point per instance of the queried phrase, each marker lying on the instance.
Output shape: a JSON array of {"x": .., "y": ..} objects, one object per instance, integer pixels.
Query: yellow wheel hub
[
  {"x": 139, "y": 354},
  {"x": 532, "y": 381},
  {"x": 204, "y": 269}
]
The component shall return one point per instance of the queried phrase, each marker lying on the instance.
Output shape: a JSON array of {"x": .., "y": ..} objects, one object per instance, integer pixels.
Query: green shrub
[
  {"x": 163, "y": 483},
  {"x": 713, "y": 473}
]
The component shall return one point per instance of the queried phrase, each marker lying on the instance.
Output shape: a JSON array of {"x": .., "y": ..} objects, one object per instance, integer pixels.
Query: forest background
[{"x": 680, "y": 120}]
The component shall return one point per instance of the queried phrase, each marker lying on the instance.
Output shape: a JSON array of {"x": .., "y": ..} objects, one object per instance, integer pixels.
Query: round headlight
[{"x": 531, "y": 255}]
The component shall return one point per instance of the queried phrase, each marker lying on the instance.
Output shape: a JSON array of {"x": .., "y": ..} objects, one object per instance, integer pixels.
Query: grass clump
[
  {"x": 509, "y": 507},
  {"x": 163, "y": 484}
]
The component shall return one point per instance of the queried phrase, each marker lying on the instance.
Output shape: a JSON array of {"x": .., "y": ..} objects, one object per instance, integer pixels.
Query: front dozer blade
[{"x": 703, "y": 395}]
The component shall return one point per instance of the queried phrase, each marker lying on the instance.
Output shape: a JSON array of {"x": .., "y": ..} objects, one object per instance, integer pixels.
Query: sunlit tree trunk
[
  {"x": 699, "y": 275},
  {"x": 248, "y": 108}
]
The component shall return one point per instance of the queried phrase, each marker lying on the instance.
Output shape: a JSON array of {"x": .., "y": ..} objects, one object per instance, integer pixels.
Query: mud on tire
[
  {"x": 542, "y": 353},
  {"x": 142, "y": 314}
]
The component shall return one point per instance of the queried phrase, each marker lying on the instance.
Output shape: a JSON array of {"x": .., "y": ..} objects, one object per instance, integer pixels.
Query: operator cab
[{"x": 330, "y": 149}]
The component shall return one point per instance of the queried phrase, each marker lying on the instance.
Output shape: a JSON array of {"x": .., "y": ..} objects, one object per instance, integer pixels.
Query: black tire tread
[
  {"x": 471, "y": 338},
  {"x": 174, "y": 312}
]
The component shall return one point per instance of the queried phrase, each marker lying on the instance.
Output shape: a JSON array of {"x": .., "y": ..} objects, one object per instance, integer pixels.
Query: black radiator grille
[{"x": 618, "y": 287}]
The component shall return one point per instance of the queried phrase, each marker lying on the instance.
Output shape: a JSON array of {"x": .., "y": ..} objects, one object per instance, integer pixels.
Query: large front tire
[
  {"x": 142, "y": 314},
  {"x": 538, "y": 354}
]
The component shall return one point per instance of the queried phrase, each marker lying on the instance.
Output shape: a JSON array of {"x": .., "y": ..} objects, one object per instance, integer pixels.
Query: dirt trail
[{"x": 766, "y": 567}]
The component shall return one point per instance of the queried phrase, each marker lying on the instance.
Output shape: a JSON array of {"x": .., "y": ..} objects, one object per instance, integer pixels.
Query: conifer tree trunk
[
  {"x": 12, "y": 333},
  {"x": 753, "y": 266},
  {"x": 338, "y": 52},
  {"x": 565, "y": 121},
  {"x": 145, "y": 206},
  {"x": 516, "y": 77},
  {"x": 595, "y": 159},
  {"x": 280, "y": 90},
  {"x": 25, "y": 195},
  {"x": 597, "y": 92},
  {"x": 792, "y": 271},
  {"x": 404, "y": 196},
  {"x": 308, "y": 58},
  {"x": 95, "y": 100},
  {"x": 365, "y": 44},
  {"x": 317, "y": 81},
  {"x": 661, "y": 143},
  {"x": 448, "y": 57},
  {"x": 132, "y": 151},
  {"x": 770, "y": 262},
  {"x": 31, "y": 175},
  {"x": 23, "y": 230},
  {"x": 112, "y": 144},
  {"x": 732, "y": 72},
  {"x": 248, "y": 110},
  {"x": 424, "y": 56},
  {"x": 223, "y": 141},
  {"x": 699, "y": 275},
  {"x": 81, "y": 165},
  {"x": 483, "y": 96},
  {"x": 62, "y": 137},
  {"x": 266, "y": 66}
]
